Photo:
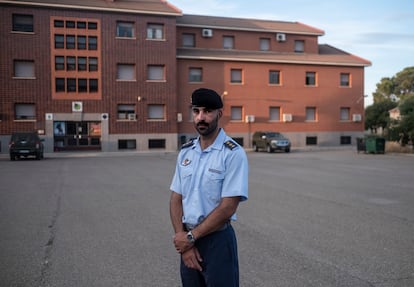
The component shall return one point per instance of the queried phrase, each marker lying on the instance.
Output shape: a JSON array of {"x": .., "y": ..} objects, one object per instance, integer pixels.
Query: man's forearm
[{"x": 176, "y": 212}]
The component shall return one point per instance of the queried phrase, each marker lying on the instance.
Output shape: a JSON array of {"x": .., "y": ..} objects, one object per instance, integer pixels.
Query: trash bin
[
  {"x": 374, "y": 144},
  {"x": 360, "y": 145}
]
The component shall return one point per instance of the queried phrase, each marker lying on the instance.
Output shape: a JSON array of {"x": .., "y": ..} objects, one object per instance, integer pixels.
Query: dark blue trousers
[{"x": 220, "y": 261}]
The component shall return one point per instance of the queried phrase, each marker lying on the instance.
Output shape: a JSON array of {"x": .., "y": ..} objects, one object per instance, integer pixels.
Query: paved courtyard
[{"x": 314, "y": 218}]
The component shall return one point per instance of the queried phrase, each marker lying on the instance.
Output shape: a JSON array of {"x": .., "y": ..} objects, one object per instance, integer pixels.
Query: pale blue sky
[{"x": 380, "y": 31}]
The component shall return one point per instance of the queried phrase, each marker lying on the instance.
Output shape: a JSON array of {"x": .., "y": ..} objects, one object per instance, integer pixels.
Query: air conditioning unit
[
  {"x": 132, "y": 117},
  {"x": 207, "y": 33},
  {"x": 250, "y": 119},
  {"x": 356, "y": 117},
  {"x": 104, "y": 116},
  {"x": 281, "y": 37},
  {"x": 287, "y": 117}
]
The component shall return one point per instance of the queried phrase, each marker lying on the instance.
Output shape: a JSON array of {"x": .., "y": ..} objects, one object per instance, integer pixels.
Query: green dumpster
[{"x": 374, "y": 144}]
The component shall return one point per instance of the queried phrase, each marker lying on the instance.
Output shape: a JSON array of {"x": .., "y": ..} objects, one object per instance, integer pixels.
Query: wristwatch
[{"x": 191, "y": 237}]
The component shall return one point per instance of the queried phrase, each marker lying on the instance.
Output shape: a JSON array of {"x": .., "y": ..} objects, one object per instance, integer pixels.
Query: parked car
[
  {"x": 270, "y": 141},
  {"x": 24, "y": 144}
]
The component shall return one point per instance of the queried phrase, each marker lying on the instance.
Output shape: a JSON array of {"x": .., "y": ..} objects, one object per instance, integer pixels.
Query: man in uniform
[{"x": 211, "y": 178}]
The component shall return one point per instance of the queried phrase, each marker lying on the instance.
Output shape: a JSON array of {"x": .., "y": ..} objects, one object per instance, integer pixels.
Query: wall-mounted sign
[{"x": 77, "y": 107}]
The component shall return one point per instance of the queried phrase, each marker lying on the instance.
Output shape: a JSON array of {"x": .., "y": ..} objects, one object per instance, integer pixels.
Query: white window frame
[
  {"x": 124, "y": 110},
  {"x": 345, "y": 80},
  {"x": 311, "y": 79},
  {"x": 299, "y": 46},
  {"x": 155, "y": 31},
  {"x": 24, "y": 69},
  {"x": 272, "y": 76}
]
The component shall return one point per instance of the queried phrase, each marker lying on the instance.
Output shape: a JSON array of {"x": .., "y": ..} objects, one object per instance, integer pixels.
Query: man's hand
[
  {"x": 192, "y": 258},
  {"x": 181, "y": 242}
]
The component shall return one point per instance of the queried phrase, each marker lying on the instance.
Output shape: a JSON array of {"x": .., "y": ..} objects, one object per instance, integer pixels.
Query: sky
[{"x": 381, "y": 31}]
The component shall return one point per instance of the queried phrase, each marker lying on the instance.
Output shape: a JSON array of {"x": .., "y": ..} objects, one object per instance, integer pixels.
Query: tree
[
  {"x": 397, "y": 87},
  {"x": 377, "y": 115},
  {"x": 407, "y": 118}
]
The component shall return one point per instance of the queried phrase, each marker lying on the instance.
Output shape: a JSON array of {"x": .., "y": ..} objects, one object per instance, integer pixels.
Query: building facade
[{"x": 117, "y": 75}]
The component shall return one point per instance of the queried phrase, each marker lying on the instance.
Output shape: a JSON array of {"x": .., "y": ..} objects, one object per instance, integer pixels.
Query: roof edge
[{"x": 90, "y": 8}]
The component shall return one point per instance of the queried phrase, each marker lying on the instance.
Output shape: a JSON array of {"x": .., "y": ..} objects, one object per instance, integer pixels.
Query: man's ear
[{"x": 220, "y": 113}]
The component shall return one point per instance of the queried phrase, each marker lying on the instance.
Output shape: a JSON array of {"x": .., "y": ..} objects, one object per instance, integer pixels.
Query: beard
[{"x": 206, "y": 129}]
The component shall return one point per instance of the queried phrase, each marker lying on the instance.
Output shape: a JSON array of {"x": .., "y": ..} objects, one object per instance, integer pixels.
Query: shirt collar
[{"x": 217, "y": 144}]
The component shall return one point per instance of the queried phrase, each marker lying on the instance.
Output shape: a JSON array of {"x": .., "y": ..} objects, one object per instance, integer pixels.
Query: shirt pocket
[
  {"x": 213, "y": 182},
  {"x": 186, "y": 176}
]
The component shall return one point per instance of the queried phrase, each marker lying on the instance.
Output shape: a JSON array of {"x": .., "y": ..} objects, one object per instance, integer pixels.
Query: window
[
  {"x": 155, "y": 73},
  {"x": 274, "y": 114},
  {"x": 92, "y": 43},
  {"x": 345, "y": 114},
  {"x": 70, "y": 41},
  {"x": 155, "y": 31},
  {"x": 299, "y": 46},
  {"x": 124, "y": 112},
  {"x": 92, "y": 25},
  {"x": 82, "y": 85},
  {"x": 264, "y": 44},
  {"x": 311, "y": 114},
  {"x": 156, "y": 112},
  {"x": 345, "y": 80},
  {"x": 25, "y": 111},
  {"x": 82, "y": 64},
  {"x": 93, "y": 85},
  {"x": 236, "y": 76},
  {"x": 70, "y": 63},
  {"x": 71, "y": 84},
  {"x": 81, "y": 42},
  {"x": 188, "y": 40},
  {"x": 228, "y": 42},
  {"x": 156, "y": 143},
  {"x": 125, "y": 29},
  {"x": 24, "y": 69},
  {"x": 311, "y": 140},
  {"x": 70, "y": 24},
  {"x": 345, "y": 140},
  {"x": 60, "y": 85},
  {"x": 59, "y": 41},
  {"x": 93, "y": 64},
  {"x": 274, "y": 77},
  {"x": 81, "y": 25},
  {"x": 22, "y": 23},
  {"x": 59, "y": 63},
  {"x": 310, "y": 79},
  {"x": 195, "y": 75},
  {"x": 236, "y": 114},
  {"x": 125, "y": 72},
  {"x": 59, "y": 23},
  {"x": 127, "y": 144}
]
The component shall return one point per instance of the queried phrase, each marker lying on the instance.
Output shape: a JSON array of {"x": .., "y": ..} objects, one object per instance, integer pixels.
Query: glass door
[{"x": 70, "y": 135}]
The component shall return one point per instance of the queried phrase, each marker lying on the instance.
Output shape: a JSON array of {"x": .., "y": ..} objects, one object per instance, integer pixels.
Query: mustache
[{"x": 202, "y": 123}]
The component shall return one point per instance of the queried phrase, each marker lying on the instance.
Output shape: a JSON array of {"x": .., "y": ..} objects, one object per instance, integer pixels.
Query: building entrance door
[{"x": 71, "y": 135}]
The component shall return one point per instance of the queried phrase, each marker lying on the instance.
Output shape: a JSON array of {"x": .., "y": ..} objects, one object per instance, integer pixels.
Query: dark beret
[{"x": 206, "y": 98}]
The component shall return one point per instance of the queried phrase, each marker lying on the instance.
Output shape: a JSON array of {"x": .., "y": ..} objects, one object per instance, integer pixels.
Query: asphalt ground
[{"x": 314, "y": 218}]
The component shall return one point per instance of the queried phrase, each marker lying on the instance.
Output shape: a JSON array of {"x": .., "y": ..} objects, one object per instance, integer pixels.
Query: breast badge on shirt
[{"x": 185, "y": 162}]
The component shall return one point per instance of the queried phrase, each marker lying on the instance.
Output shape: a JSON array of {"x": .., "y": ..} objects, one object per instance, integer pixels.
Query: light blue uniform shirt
[{"x": 204, "y": 177}]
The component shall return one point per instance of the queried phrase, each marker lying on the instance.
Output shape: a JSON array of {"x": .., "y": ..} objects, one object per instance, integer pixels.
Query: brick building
[{"x": 113, "y": 75}]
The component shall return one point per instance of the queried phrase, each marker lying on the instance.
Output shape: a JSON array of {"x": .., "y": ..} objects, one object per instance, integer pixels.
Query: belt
[{"x": 189, "y": 227}]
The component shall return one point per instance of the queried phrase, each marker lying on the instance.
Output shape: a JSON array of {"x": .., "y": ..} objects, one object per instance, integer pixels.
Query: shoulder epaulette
[
  {"x": 230, "y": 144},
  {"x": 188, "y": 144}
]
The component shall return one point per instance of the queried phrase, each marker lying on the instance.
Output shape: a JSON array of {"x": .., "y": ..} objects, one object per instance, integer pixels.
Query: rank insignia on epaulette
[
  {"x": 230, "y": 144},
  {"x": 187, "y": 144}
]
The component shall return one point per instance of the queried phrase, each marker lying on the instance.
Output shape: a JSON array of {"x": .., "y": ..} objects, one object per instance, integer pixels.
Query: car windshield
[
  {"x": 274, "y": 135},
  {"x": 24, "y": 137}
]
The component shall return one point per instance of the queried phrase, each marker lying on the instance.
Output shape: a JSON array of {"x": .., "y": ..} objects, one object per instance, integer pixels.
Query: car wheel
[
  {"x": 269, "y": 149},
  {"x": 287, "y": 150},
  {"x": 255, "y": 148},
  {"x": 38, "y": 156},
  {"x": 12, "y": 157}
]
